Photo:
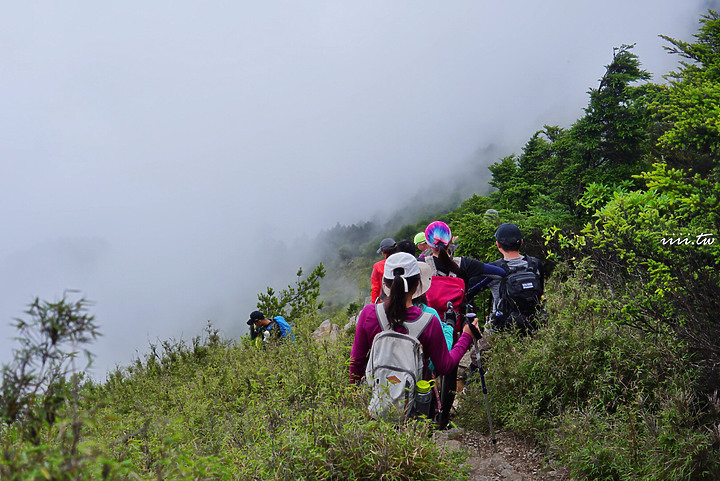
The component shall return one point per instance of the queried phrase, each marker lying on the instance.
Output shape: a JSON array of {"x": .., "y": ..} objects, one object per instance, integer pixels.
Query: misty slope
[{"x": 620, "y": 383}]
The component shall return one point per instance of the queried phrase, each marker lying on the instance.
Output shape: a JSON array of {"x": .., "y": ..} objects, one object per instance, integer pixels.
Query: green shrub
[
  {"x": 609, "y": 401},
  {"x": 286, "y": 411}
]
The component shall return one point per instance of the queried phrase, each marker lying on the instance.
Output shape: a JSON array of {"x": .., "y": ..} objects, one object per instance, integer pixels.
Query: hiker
[
  {"x": 422, "y": 246},
  {"x": 402, "y": 282},
  {"x": 387, "y": 247},
  {"x": 517, "y": 298},
  {"x": 420, "y": 300},
  {"x": 264, "y": 329},
  {"x": 471, "y": 271},
  {"x": 454, "y": 281},
  {"x": 406, "y": 245}
]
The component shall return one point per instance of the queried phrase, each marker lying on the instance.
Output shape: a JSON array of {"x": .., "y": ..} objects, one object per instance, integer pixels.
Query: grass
[{"x": 217, "y": 409}]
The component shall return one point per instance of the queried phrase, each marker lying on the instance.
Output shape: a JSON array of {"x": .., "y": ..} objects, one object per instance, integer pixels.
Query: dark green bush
[{"x": 609, "y": 401}]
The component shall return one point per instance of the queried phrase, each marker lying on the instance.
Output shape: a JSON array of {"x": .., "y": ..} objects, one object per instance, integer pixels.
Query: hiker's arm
[
  {"x": 434, "y": 343},
  {"x": 480, "y": 275},
  {"x": 360, "y": 349},
  {"x": 477, "y": 286},
  {"x": 474, "y": 270},
  {"x": 493, "y": 272}
]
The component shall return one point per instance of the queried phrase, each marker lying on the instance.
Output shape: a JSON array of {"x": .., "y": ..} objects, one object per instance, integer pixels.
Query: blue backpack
[{"x": 285, "y": 328}]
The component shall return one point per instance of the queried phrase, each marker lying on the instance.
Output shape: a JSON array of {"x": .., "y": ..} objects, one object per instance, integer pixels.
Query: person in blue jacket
[{"x": 276, "y": 328}]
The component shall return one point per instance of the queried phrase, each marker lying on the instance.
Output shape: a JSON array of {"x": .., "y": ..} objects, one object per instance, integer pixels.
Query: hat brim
[{"x": 423, "y": 285}]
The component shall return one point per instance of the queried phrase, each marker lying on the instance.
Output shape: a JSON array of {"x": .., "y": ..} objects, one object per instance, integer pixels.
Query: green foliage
[
  {"x": 475, "y": 227},
  {"x": 40, "y": 423},
  {"x": 215, "y": 409},
  {"x": 613, "y": 134},
  {"x": 656, "y": 248},
  {"x": 295, "y": 301},
  {"x": 234, "y": 411},
  {"x": 616, "y": 385},
  {"x": 651, "y": 235},
  {"x": 475, "y": 223},
  {"x": 34, "y": 384},
  {"x": 597, "y": 195},
  {"x": 566, "y": 246},
  {"x": 607, "y": 146},
  {"x": 690, "y": 104},
  {"x": 608, "y": 401},
  {"x": 663, "y": 235},
  {"x": 353, "y": 309}
]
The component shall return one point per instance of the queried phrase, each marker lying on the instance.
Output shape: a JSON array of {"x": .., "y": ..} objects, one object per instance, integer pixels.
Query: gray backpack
[{"x": 395, "y": 366}]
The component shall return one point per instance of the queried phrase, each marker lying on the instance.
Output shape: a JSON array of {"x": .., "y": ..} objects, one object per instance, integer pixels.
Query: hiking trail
[{"x": 512, "y": 458}]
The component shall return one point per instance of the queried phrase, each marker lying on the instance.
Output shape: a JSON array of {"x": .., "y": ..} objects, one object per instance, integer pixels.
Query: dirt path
[{"x": 510, "y": 459}]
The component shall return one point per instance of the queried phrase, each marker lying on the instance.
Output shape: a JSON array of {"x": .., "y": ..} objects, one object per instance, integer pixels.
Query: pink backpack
[{"x": 444, "y": 289}]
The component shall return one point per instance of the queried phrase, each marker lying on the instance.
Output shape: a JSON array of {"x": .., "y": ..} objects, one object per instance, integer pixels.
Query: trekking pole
[
  {"x": 450, "y": 315},
  {"x": 449, "y": 380},
  {"x": 469, "y": 317}
]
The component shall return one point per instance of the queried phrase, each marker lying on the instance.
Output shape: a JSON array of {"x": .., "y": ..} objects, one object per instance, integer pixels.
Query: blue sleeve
[
  {"x": 473, "y": 269},
  {"x": 480, "y": 275},
  {"x": 493, "y": 271}
]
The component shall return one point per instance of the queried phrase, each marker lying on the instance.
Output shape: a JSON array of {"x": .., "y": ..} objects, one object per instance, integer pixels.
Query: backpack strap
[
  {"x": 533, "y": 264},
  {"x": 502, "y": 263},
  {"x": 382, "y": 317},
  {"x": 417, "y": 327},
  {"x": 414, "y": 328},
  {"x": 274, "y": 328},
  {"x": 458, "y": 261},
  {"x": 430, "y": 260},
  {"x": 505, "y": 265}
]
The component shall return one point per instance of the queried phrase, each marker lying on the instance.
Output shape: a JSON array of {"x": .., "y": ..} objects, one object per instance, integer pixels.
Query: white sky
[{"x": 157, "y": 155}]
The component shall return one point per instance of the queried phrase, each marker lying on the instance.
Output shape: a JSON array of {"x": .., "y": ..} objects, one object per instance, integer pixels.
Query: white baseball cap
[{"x": 410, "y": 267}]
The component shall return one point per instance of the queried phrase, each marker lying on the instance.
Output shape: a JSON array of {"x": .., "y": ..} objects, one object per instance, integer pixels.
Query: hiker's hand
[{"x": 466, "y": 327}]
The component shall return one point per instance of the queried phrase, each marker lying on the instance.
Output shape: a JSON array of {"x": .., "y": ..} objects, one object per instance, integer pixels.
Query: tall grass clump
[
  {"x": 211, "y": 408},
  {"x": 230, "y": 410},
  {"x": 607, "y": 400},
  {"x": 40, "y": 422}
]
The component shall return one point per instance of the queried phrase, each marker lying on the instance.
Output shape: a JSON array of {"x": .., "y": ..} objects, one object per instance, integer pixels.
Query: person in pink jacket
[{"x": 402, "y": 282}]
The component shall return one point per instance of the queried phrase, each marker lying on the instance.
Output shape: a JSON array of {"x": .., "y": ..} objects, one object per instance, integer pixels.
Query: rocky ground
[{"x": 511, "y": 458}]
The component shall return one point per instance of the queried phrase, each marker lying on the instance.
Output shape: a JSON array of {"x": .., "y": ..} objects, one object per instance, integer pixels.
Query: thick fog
[{"x": 170, "y": 159}]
